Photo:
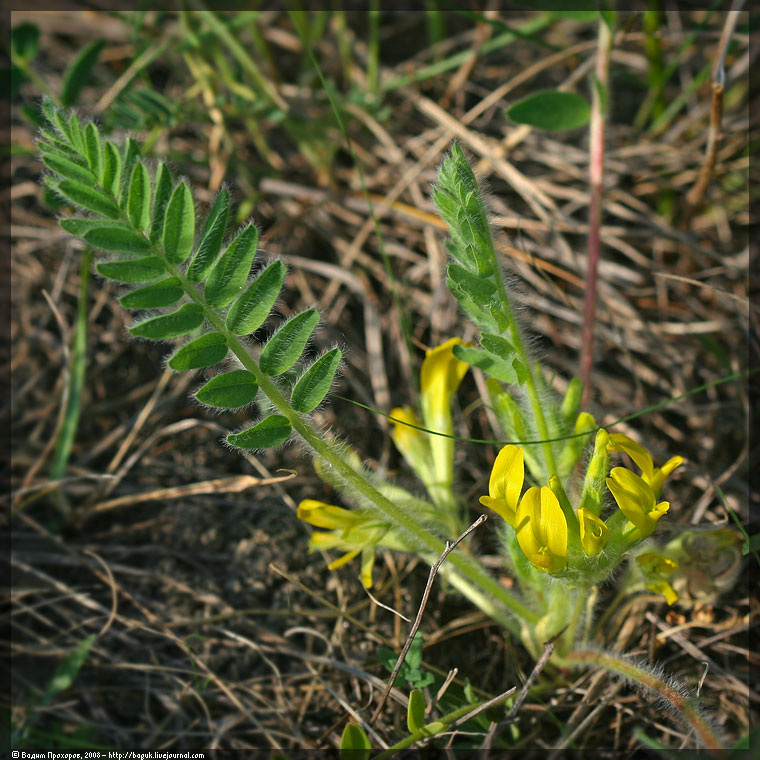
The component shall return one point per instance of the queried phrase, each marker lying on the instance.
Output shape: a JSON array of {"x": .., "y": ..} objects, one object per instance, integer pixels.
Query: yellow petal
[
  {"x": 656, "y": 564},
  {"x": 542, "y": 529},
  {"x": 659, "y": 475},
  {"x": 440, "y": 377},
  {"x": 642, "y": 458},
  {"x": 634, "y": 497},
  {"x": 323, "y": 515},
  {"x": 507, "y": 476},
  {"x": 346, "y": 558},
  {"x": 368, "y": 562},
  {"x": 500, "y": 507},
  {"x": 664, "y": 588}
]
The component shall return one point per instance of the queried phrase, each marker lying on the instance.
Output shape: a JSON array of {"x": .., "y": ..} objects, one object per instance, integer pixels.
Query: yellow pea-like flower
[
  {"x": 505, "y": 483},
  {"x": 636, "y": 500},
  {"x": 653, "y": 476},
  {"x": 654, "y": 567},
  {"x": 542, "y": 529}
]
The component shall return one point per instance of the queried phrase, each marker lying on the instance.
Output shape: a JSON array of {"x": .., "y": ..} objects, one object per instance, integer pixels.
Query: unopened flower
[
  {"x": 636, "y": 500},
  {"x": 506, "y": 482},
  {"x": 542, "y": 529},
  {"x": 654, "y": 476},
  {"x": 594, "y": 532}
]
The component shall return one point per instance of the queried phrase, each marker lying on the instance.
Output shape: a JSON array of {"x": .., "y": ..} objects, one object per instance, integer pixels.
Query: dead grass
[{"x": 217, "y": 630}]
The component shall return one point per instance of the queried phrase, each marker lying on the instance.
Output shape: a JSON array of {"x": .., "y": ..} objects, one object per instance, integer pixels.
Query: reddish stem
[{"x": 596, "y": 182}]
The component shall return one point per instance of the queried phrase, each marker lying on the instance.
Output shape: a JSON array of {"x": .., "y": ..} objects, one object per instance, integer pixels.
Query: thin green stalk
[
  {"x": 682, "y": 704},
  {"x": 77, "y": 368},
  {"x": 373, "y": 57}
]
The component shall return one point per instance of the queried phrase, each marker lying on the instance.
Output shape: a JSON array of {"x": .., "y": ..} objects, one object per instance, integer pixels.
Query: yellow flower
[
  {"x": 654, "y": 567},
  {"x": 350, "y": 530},
  {"x": 505, "y": 483},
  {"x": 440, "y": 377},
  {"x": 542, "y": 529},
  {"x": 636, "y": 500},
  {"x": 413, "y": 444},
  {"x": 594, "y": 532},
  {"x": 654, "y": 476}
]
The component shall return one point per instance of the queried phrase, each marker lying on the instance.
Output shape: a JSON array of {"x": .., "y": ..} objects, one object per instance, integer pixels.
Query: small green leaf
[
  {"x": 312, "y": 387},
  {"x": 415, "y": 714},
  {"x": 187, "y": 318},
  {"x": 163, "y": 192},
  {"x": 479, "y": 289},
  {"x": 78, "y": 72},
  {"x": 138, "y": 201},
  {"x": 414, "y": 656},
  {"x": 211, "y": 238},
  {"x": 354, "y": 743},
  {"x": 253, "y": 305},
  {"x": 520, "y": 371},
  {"x": 77, "y": 134},
  {"x": 551, "y": 110},
  {"x": 283, "y": 349},
  {"x": 131, "y": 154},
  {"x": 179, "y": 225},
  {"x": 67, "y": 168},
  {"x": 271, "y": 431},
  {"x": 230, "y": 390},
  {"x": 118, "y": 239},
  {"x": 94, "y": 149},
  {"x": 67, "y": 671},
  {"x": 111, "y": 168},
  {"x": 205, "y": 351},
  {"x": 166, "y": 292},
  {"x": 88, "y": 197},
  {"x": 146, "y": 269},
  {"x": 498, "y": 345},
  {"x": 490, "y": 363},
  {"x": 60, "y": 123},
  {"x": 232, "y": 269}
]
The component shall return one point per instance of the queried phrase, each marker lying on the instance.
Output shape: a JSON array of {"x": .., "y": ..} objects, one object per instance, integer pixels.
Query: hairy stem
[{"x": 682, "y": 705}]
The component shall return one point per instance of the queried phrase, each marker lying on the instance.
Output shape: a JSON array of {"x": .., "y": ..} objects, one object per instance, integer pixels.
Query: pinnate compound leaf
[
  {"x": 88, "y": 197},
  {"x": 162, "y": 193},
  {"x": 187, "y": 318},
  {"x": 76, "y": 75},
  {"x": 145, "y": 269},
  {"x": 230, "y": 390},
  {"x": 253, "y": 305},
  {"x": 551, "y": 110},
  {"x": 67, "y": 168},
  {"x": 211, "y": 238},
  {"x": 271, "y": 431},
  {"x": 111, "y": 168},
  {"x": 312, "y": 387},
  {"x": 231, "y": 270},
  {"x": 355, "y": 743},
  {"x": 179, "y": 225},
  {"x": 166, "y": 292},
  {"x": 205, "y": 351},
  {"x": 287, "y": 344},
  {"x": 490, "y": 363},
  {"x": 94, "y": 149},
  {"x": 415, "y": 714},
  {"x": 138, "y": 200}
]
